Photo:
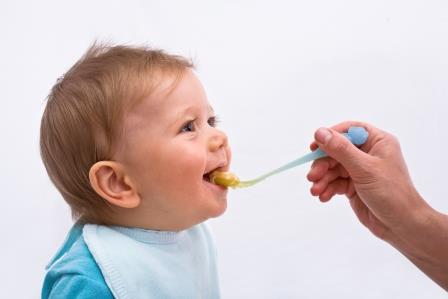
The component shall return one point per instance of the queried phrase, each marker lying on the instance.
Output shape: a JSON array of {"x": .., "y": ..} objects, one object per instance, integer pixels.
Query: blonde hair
[{"x": 84, "y": 112}]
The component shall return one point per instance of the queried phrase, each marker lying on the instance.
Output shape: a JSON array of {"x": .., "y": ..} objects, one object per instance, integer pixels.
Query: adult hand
[{"x": 377, "y": 183}]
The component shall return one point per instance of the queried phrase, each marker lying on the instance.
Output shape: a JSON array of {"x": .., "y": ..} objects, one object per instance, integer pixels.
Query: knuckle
[{"x": 340, "y": 146}]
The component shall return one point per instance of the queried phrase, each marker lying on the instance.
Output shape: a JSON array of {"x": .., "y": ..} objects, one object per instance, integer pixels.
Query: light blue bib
[{"x": 138, "y": 263}]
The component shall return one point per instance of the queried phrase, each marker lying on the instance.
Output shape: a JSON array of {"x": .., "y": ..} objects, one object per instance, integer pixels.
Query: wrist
[
  {"x": 420, "y": 232},
  {"x": 426, "y": 245}
]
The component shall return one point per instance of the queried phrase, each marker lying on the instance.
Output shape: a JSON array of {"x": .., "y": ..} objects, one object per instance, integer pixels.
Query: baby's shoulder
[{"x": 75, "y": 275}]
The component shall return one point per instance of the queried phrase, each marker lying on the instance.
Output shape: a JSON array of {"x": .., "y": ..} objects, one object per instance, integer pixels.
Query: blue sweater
[
  {"x": 149, "y": 264},
  {"x": 73, "y": 272}
]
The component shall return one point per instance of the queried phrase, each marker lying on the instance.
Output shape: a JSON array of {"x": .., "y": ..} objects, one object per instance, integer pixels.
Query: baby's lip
[{"x": 222, "y": 166}]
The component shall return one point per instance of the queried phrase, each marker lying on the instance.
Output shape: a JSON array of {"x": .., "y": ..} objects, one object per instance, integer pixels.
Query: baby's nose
[{"x": 217, "y": 141}]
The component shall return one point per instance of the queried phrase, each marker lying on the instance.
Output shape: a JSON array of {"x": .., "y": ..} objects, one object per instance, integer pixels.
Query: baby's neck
[{"x": 146, "y": 220}]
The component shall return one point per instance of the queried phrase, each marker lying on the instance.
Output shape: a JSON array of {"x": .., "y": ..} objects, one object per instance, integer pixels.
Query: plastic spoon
[{"x": 356, "y": 135}]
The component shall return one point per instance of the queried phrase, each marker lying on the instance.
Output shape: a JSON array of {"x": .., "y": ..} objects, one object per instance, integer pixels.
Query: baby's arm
[{"x": 78, "y": 286}]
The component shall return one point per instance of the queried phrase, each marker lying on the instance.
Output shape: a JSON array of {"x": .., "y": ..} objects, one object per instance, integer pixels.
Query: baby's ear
[{"x": 110, "y": 181}]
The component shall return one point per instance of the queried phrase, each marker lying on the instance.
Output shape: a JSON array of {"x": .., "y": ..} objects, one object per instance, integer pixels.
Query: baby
[{"x": 129, "y": 139}]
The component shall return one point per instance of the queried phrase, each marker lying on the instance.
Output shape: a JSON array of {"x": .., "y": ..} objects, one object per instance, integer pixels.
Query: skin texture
[
  {"x": 376, "y": 181},
  {"x": 170, "y": 141}
]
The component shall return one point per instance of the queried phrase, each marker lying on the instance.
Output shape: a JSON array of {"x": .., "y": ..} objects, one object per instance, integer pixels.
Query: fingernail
[{"x": 323, "y": 135}]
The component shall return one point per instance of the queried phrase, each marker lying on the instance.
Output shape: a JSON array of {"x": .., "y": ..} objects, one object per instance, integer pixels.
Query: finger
[
  {"x": 331, "y": 175},
  {"x": 339, "y": 186},
  {"x": 341, "y": 149},
  {"x": 320, "y": 167},
  {"x": 374, "y": 133},
  {"x": 344, "y": 126},
  {"x": 313, "y": 146}
]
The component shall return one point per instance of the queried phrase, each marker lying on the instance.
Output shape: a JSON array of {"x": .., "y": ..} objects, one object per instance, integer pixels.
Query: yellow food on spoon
[{"x": 224, "y": 178}]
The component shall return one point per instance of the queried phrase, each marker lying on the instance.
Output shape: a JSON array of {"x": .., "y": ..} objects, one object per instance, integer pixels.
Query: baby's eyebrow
[
  {"x": 192, "y": 110},
  {"x": 187, "y": 111}
]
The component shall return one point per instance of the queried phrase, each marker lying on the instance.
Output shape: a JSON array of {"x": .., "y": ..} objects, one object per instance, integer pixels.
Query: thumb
[{"x": 342, "y": 150}]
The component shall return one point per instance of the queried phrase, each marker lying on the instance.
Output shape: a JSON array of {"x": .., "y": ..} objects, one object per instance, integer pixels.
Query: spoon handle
[{"x": 356, "y": 135}]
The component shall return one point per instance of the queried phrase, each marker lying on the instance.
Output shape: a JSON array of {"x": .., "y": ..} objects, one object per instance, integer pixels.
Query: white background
[{"x": 275, "y": 72}]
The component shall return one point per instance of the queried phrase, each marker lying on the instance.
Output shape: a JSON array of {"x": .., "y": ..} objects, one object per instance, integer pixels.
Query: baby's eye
[
  {"x": 188, "y": 127},
  {"x": 213, "y": 121}
]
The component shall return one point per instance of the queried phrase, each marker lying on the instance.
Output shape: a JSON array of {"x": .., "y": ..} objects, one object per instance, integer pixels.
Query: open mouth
[{"x": 206, "y": 177}]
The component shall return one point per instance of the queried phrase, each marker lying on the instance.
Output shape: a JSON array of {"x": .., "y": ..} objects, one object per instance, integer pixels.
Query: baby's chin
[{"x": 219, "y": 208}]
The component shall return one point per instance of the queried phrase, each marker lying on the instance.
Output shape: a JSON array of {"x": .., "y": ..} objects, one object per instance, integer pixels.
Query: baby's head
[{"x": 128, "y": 138}]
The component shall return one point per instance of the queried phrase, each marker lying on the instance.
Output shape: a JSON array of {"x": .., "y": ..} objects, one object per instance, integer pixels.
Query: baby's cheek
[{"x": 193, "y": 161}]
